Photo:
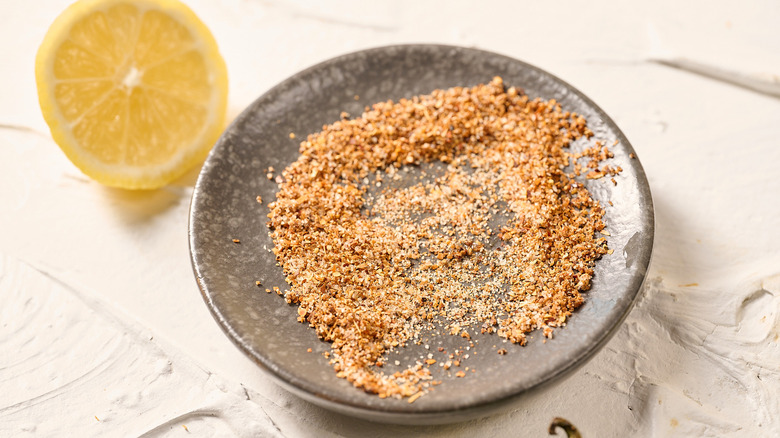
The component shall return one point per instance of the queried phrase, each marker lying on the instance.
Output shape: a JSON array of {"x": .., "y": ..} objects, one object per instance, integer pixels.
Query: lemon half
[{"x": 134, "y": 91}]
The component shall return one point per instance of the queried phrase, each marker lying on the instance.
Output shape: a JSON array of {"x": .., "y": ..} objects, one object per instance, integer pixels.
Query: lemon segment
[{"x": 134, "y": 91}]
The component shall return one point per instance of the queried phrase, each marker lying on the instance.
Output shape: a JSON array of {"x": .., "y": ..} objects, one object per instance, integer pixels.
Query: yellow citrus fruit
[{"x": 134, "y": 91}]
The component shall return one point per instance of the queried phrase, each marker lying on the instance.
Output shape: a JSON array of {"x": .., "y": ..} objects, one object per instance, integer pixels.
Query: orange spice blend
[{"x": 500, "y": 239}]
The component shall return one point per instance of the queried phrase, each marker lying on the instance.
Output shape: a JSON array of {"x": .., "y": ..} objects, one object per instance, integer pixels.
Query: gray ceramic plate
[{"x": 264, "y": 326}]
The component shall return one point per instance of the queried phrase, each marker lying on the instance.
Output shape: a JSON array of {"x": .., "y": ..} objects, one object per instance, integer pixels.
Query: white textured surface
[{"x": 103, "y": 331}]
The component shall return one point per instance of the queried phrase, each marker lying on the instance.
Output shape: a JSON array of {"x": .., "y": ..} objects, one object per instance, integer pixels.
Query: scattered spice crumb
[
  {"x": 502, "y": 351},
  {"x": 414, "y": 397},
  {"x": 259, "y": 199},
  {"x": 566, "y": 426},
  {"x": 258, "y": 283},
  {"x": 292, "y": 135},
  {"x": 185, "y": 427},
  {"x": 502, "y": 239},
  {"x": 236, "y": 241}
]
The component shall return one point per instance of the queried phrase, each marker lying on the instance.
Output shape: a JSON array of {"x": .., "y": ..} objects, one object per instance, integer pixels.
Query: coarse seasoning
[{"x": 499, "y": 238}]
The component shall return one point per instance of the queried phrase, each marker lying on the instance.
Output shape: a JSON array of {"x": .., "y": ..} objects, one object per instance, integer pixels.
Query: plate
[{"x": 263, "y": 326}]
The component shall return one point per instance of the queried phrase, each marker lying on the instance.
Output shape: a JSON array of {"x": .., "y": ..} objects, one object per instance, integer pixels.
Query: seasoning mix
[{"x": 459, "y": 211}]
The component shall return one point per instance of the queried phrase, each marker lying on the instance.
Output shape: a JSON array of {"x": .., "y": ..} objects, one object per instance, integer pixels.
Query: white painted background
[{"x": 103, "y": 331}]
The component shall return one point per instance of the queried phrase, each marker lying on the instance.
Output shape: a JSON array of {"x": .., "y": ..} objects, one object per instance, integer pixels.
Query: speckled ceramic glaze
[{"x": 265, "y": 327}]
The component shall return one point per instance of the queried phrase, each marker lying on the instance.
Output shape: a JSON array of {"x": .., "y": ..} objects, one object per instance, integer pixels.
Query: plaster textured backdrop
[{"x": 104, "y": 333}]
